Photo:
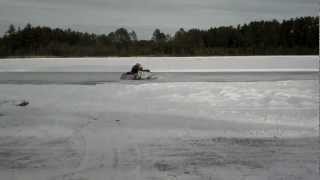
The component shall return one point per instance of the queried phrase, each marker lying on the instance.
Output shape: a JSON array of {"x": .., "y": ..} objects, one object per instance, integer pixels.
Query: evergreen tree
[
  {"x": 11, "y": 29},
  {"x": 133, "y": 36},
  {"x": 158, "y": 36}
]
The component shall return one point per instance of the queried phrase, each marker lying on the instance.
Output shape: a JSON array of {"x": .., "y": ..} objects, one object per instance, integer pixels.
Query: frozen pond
[{"x": 195, "y": 122}]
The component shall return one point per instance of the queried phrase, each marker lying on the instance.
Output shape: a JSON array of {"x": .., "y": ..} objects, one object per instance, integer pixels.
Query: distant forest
[{"x": 298, "y": 36}]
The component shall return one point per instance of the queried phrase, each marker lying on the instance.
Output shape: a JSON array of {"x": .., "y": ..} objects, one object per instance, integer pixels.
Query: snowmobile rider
[{"x": 138, "y": 67}]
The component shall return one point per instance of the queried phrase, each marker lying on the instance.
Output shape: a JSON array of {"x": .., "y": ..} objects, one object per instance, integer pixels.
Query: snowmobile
[{"x": 141, "y": 75}]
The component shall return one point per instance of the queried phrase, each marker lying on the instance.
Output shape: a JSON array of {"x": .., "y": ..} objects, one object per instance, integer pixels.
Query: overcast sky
[{"x": 143, "y": 16}]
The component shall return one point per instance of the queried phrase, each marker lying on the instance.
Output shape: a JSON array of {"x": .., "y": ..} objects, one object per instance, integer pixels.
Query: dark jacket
[{"x": 136, "y": 68}]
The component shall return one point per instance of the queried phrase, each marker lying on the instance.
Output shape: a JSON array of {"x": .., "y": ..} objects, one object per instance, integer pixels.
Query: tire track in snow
[
  {"x": 97, "y": 151},
  {"x": 67, "y": 174}
]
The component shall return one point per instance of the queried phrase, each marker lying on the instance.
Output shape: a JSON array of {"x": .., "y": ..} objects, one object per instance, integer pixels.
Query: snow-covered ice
[
  {"x": 158, "y": 130},
  {"x": 163, "y": 64}
]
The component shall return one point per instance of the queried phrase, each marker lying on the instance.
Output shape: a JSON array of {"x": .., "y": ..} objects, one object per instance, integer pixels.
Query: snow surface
[{"x": 157, "y": 130}]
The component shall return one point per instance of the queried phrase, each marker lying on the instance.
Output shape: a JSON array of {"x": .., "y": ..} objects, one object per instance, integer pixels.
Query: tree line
[{"x": 296, "y": 36}]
